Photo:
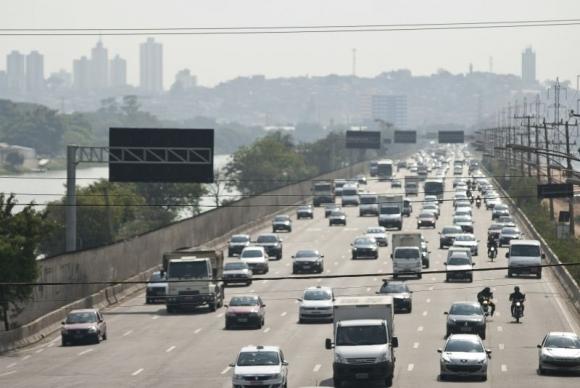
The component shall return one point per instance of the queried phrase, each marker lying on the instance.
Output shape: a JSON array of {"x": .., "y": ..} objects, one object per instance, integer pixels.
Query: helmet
[
  {"x": 517, "y": 289},
  {"x": 487, "y": 289}
]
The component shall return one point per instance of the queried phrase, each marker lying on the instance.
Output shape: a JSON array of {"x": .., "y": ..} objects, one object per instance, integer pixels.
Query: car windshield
[
  {"x": 249, "y": 253},
  {"x": 317, "y": 295},
  {"x": 426, "y": 215},
  {"x": 451, "y": 230},
  {"x": 156, "y": 277},
  {"x": 188, "y": 269},
  {"x": 281, "y": 218},
  {"x": 465, "y": 237},
  {"x": 267, "y": 239},
  {"x": 457, "y": 260},
  {"x": 336, "y": 213},
  {"x": 394, "y": 288},
  {"x": 500, "y": 207},
  {"x": 509, "y": 231},
  {"x": 560, "y": 341},
  {"x": 85, "y": 317},
  {"x": 368, "y": 200},
  {"x": 465, "y": 309},
  {"x": 464, "y": 346},
  {"x": 407, "y": 253},
  {"x": 363, "y": 241},
  {"x": 304, "y": 208},
  {"x": 244, "y": 301},
  {"x": 258, "y": 358},
  {"x": 461, "y": 219},
  {"x": 495, "y": 227},
  {"x": 235, "y": 266},
  {"x": 430, "y": 206},
  {"x": 306, "y": 253},
  {"x": 390, "y": 210},
  {"x": 240, "y": 239},
  {"x": 361, "y": 335},
  {"x": 375, "y": 230},
  {"x": 525, "y": 250},
  {"x": 349, "y": 191}
]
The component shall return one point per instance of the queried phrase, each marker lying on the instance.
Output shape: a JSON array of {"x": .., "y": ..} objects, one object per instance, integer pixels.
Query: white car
[
  {"x": 379, "y": 233},
  {"x": 256, "y": 258},
  {"x": 260, "y": 365},
  {"x": 459, "y": 265},
  {"x": 433, "y": 207},
  {"x": 316, "y": 304},
  {"x": 431, "y": 198},
  {"x": 464, "y": 356},
  {"x": 467, "y": 240},
  {"x": 559, "y": 351}
]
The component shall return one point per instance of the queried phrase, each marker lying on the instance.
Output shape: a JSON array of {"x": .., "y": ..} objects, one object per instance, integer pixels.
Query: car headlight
[
  {"x": 92, "y": 329},
  {"x": 64, "y": 331},
  {"x": 546, "y": 356},
  {"x": 237, "y": 377},
  {"x": 382, "y": 357},
  {"x": 445, "y": 358},
  {"x": 276, "y": 376}
]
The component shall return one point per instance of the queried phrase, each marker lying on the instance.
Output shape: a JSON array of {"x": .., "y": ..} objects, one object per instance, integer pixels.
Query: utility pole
[
  {"x": 568, "y": 173},
  {"x": 527, "y": 117},
  {"x": 548, "y": 169}
]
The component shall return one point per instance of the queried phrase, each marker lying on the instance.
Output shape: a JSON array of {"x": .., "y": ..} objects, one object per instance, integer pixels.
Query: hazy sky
[{"x": 218, "y": 58}]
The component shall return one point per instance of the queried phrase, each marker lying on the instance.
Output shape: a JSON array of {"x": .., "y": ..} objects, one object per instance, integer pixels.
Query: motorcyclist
[
  {"x": 478, "y": 200},
  {"x": 491, "y": 242},
  {"x": 486, "y": 294},
  {"x": 517, "y": 296}
]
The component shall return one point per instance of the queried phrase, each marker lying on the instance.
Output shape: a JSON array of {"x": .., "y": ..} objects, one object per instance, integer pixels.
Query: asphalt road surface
[{"x": 148, "y": 348}]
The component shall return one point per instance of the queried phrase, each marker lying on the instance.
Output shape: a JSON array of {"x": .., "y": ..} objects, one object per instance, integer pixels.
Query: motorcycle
[
  {"x": 485, "y": 306},
  {"x": 518, "y": 310},
  {"x": 478, "y": 203},
  {"x": 492, "y": 252}
]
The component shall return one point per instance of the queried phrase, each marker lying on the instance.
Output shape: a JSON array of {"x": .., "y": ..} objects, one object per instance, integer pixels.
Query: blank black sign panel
[
  {"x": 555, "y": 190},
  {"x": 451, "y": 137},
  {"x": 363, "y": 139},
  {"x": 409, "y": 137},
  {"x": 163, "y": 155}
]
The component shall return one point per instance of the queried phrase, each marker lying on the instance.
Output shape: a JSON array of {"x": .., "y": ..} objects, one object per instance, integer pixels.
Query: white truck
[
  {"x": 407, "y": 259},
  {"x": 411, "y": 185},
  {"x": 194, "y": 278},
  {"x": 391, "y": 211},
  {"x": 364, "y": 339}
]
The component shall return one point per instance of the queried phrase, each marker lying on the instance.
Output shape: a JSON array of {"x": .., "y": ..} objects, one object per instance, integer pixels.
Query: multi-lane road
[{"x": 148, "y": 348}]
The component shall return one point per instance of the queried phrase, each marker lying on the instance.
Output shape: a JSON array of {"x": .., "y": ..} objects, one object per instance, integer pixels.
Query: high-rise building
[
  {"x": 184, "y": 80},
  {"x": 118, "y": 72},
  {"x": 35, "y": 72},
  {"x": 99, "y": 66},
  {"x": 15, "y": 74},
  {"x": 82, "y": 74},
  {"x": 3, "y": 83},
  {"x": 529, "y": 66},
  {"x": 151, "y": 66},
  {"x": 390, "y": 108}
]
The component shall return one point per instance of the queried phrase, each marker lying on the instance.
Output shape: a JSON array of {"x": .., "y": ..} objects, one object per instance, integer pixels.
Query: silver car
[
  {"x": 559, "y": 351},
  {"x": 464, "y": 355}
]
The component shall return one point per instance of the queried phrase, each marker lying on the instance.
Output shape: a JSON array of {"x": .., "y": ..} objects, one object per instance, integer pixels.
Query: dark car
[
  {"x": 508, "y": 234},
  {"x": 307, "y": 260},
  {"x": 156, "y": 288},
  {"x": 272, "y": 244},
  {"x": 337, "y": 217},
  {"x": 494, "y": 230},
  {"x": 448, "y": 234},
  {"x": 361, "y": 179},
  {"x": 426, "y": 218},
  {"x": 329, "y": 208},
  {"x": 365, "y": 247},
  {"x": 399, "y": 291},
  {"x": 396, "y": 184},
  {"x": 237, "y": 272},
  {"x": 465, "y": 222},
  {"x": 500, "y": 210},
  {"x": 245, "y": 310},
  {"x": 466, "y": 318},
  {"x": 304, "y": 212},
  {"x": 237, "y": 244},
  {"x": 282, "y": 222},
  {"x": 83, "y": 325}
]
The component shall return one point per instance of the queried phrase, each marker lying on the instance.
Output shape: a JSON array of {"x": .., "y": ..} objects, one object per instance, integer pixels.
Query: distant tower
[
  {"x": 471, "y": 68},
  {"x": 529, "y": 66},
  {"x": 151, "y": 65},
  {"x": 15, "y": 74},
  {"x": 34, "y": 72},
  {"x": 99, "y": 66},
  {"x": 354, "y": 62},
  {"x": 118, "y": 72},
  {"x": 81, "y": 74}
]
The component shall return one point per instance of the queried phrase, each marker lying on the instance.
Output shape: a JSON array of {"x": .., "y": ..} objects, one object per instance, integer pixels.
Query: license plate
[
  {"x": 306, "y": 267},
  {"x": 466, "y": 329},
  {"x": 361, "y": 376},
  {"x": 188, "y": 298},
  {"x": 242, "y": 319},
  {"x": 78, "y": 336}
]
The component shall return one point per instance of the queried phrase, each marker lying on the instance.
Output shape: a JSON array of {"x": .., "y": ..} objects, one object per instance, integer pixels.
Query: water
[{"x": 44, "y": 187}]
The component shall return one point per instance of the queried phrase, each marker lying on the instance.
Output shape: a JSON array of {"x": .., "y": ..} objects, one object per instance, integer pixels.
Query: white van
[{"x": 525, "y": 257}]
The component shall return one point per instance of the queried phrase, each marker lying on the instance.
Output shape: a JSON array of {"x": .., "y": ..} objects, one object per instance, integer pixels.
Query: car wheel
[
  {"x": 170, "y": 309},
  {"x": 248, "y": 283},
  {"x": 484, "y": 377},
  {"x": 541, "y": 370},
  {"x": 212, "y": 307},
  {"x": 105, "y": 336},
  {"x": 471, "y": 279},
  {"x": 482, "y": 334},
  {"x": 63, "y": 342},
  {"x": 539, "y": 275},
  {"x": 230, "y": 254},
  {"x": 410, "y": 307},
  {"x": 228, "y": 325},
  {"x": 337, "y": 382},
  {"x": 440, "y": 246},
  {"x": 147, "y": 300},
  {"x": 510, "y": 274},
  {"x": 389, "y": 381},
  {"x": 98, "y": 338},
  {"x": 420, "y": 276}
]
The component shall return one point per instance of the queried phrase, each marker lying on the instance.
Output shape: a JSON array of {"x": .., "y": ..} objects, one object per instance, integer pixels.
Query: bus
[
  {"x": 385, "y": 169},
  {"x": 435, "y": 187}
]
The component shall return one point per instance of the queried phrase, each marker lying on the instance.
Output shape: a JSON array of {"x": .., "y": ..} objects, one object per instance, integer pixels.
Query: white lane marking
[
  {"x": 499, "y": 328},
  {"x": 296, "y": 301},
  {"x": 220, "y": 315},
  {"x": 316, "y": 368},
  {"x": 503, "y": 367},
  {"x": 11, "y": 365},
  {"x": 170, "y": 349},
  {"x": 425, "y": 313},
  {"x": 497, "y": 314},
  {"x": 39, "y": 351},
  {"x": 415, "y": 345},
  {"x": 266, "y": 330},
  {"x": 127, "y": 333},
  {"x": 265, "y": 281},
  {"x": 375, "y": 279},
  {"x": 433, "y": 278},
  {"x": 55, "y": 340},
  {"x": 197, "y": 331},
  {"x": 313, "y": 229},
  {"x": 319, "y": 280},
  {"x": 85, "y": 352},
  {"x": 226, "y": 370},
  {"x": 336, "y": 263},
  {"x": 287, "y": 264},
  {"x": 431, "y": 288},
  {"x": 137, "y": 372},
  {"x": 252, "y": 291},
  {"x": 7, "y": 373},
  {"x": 277, "y": 273},
  {"x": 410, "y": 367},
  {"x": 283, "y": 314},
  {"x": 501, "y": 346},
  {"x": 26, "y": 357},
  {"x": 420, "y": 328},
  {"x": 569, "y": 320},
  {"x": 327, "y": 271},
  {"x": 155, "y": 317},
  {"x": 368, "y": 289},
  {"x": 428, "y": 300}
]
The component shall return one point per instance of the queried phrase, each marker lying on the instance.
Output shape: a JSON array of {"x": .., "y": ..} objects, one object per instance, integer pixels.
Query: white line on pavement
[
  {"x": 127, "y": 333},
  {"x": 503, "y": 367},
  {"x": 11, "y": 365},
  {"x": 375, "y": 279},
  {"x": 336, "y": 263},
  {"x": 420, "y": 328},
  {"x": 570, "y": 321},
  {"x": 415, "y": 345},
  {"x": 169, "y": 349},
  {"x": 39, "y": 351},
  {"x": 497, "y": 314},
  {"x": 197, "y": 331},
  {"x": 220, "y": 315},
  {"x": 428, "y": 300},
  {"x": 327, "y": 271},
  {"x": 425, "y": 313},
  {"x": 85, "y": 352},
  {"x": 283, "y": 314},
  {"x": 431, "y": 288},
  {"x": 266, "y": 330},
  {"x": 499, "y": 328},
  {"x": 368, "y": 289},
  {"x": 501, "y": 346},
  {"x": 155, "y": 317},
  {"x": 226, "y": 370},
  {"x": 277, "y": 273},
  {"x": 287, "y": 264},
  {"x": 7, "y": 373},
  {"x": 55, "y": 340},
  {"x": 265, "y": 281},
  {"x": 410, "y": 367},
  {"x": 26, "y": 357},
  {"x": 137, "y": 372},
  {"x": 316, "y": 368},
  {"x": 433, "y": 278},
  {"x": 319, "y": 280}
]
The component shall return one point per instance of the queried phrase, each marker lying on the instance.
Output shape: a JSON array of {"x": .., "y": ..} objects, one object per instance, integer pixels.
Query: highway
[{"x": 148, "y": 348}]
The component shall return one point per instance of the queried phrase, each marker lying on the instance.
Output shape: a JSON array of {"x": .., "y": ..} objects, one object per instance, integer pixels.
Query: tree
[
  {"x": 217, "y": 188},
  {"x": 20, "y": 235}
]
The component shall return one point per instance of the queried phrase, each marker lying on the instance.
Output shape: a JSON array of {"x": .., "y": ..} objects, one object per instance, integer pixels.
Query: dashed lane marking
[
  {"x": 7, "y": 373},
  {"x": 287, "y": 264},
  {"x": 137, "y": 372},
  {"x": 497, "y": 314},
  {"x": 420, "y": 328},
  {"x": 11, "y": 365},
  {"x": 428, "y": 300},
  {"x": 26, "y": 357},
  {"x": 39, "y": 351},
  {"x": 155, "y": 317},
  {"x": 424, "y": 313},
  {"x": 501, "y": 346},
  {"x": 277, "y": 273},
  {"x": 431, "y": 288},
  {"x": 503, "y": 367},
  {"x": 415, "y": 345},
  {"x": 368, "y": 289},
  {"x": 266, "y": 330},
  {"x": 327, "y": 271},
  {"x": 319, "y": 280},
  {"x": 375, "y": 279},
  {"x": 197, "y": 331},
  {"x": 316, "y": 368},
  {"x": 283, "y": 314},
  {"x": 85, "y": 352},
  {"x": 499, "y": 328},
  {"x": 170, "y": 349},
  {"x": 220, "y": 315},
  {"x": 336, "y": 263},
  {"x": 226, "y": 370},
  {"x": 127, "y": 333},
  {"x": 433, "y": 278},
  {"x": 410, "y": 367}
]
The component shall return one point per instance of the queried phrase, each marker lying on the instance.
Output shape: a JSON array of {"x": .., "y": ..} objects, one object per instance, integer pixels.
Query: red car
[{"x": 245, "y": 310}]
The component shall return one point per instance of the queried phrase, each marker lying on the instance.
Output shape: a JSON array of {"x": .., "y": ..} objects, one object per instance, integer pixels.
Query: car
[
  {"x": 463, "y": 355},
  {"x": 364, "y": 247},
  {"x": 237, "y": 272},
  {"x": 316, "y": 304},
  {"x": 431, "y": 199},
  {"x": 507, "y": 234},
  {"x": 83, "y": 325},
  {"x": 433, "y": 207},
  {"x": 256, "y": 259},
  {"x": 463, "y": 211},
  {"x": 458, "y": 181},
  {"x": 467, "y": 240},
  {"x": 500, "y": 210},
  {"x": 426, "y": 218},
  {"x": 462, "y": 203},
  {"x": 237, "y": 244},
  {"x": 465, "y": 222},
  {"x": 271, "y": 243},
  {"x": 350, "y": 195},
  {"x": 368, "y": 204},
  {"x": 466, "y": 317},
  {"x": 156, "y": 288},
  {"x": 282, "y": 222},
  {"x": 462, "y": 195},
  {"x": 329, "y": 208},
  {"x": 396, "y": 183},
  {"x": 338, "y": 184},
  {"x": 400, "y": 292},
  {"x": 559, "y": 352},
  {"x": 506, "y": 220},
  {"x": 490, "y": 203},
  {"x": 379, "y": 233},
  {"x": 425, "y": 252},
  {"x": 494, "y": 230},
  {"x": 459, "y": 266},
  {"x": 260, "y": 365},
  {"x": 337, "y": 217},
  {"x": 448, "y": 234},
  {"x": 307, "y": 260},
  {"x": 245, "y": 310},
  {"x": 304, "y": 211},
  {"x": 361, "y": 179}
]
